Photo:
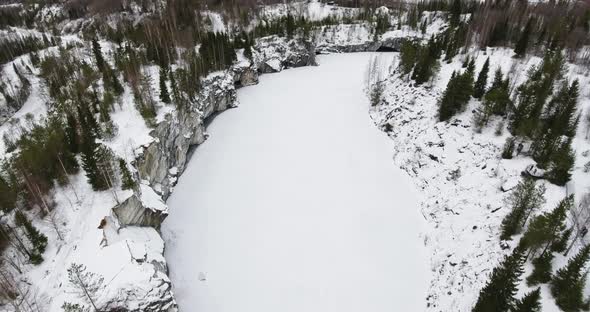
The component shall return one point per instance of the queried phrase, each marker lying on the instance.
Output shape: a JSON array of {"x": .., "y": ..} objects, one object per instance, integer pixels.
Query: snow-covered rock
[{"x": 510, "y": 184}]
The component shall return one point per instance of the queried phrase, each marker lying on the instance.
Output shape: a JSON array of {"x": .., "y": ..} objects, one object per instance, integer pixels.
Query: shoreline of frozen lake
[{"x": 295, "y": 204}]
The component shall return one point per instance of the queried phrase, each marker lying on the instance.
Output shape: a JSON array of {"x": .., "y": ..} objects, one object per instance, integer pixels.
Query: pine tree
[
  {"x": 86, "y": 284},
  {"x": 127, "y": 181},
  {"x": 498, "y": 293},
  {"x": 531, "y": 302},
  {"x": 482, "y": 80},
  {"x": 542, "y": 270},
  {"x": 521, "y": 45},
  {"x": 98, "y": 55},
  {"x": 568, "y": 282}
]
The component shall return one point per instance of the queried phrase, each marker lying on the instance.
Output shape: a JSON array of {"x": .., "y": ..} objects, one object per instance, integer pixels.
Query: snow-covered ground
[
  {"x": 295, "y": 204},
  {"x": 460, "y": 174}
]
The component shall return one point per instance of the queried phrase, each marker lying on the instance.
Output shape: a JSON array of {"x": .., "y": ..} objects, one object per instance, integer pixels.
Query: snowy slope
[{"x": 460, "y": 173}]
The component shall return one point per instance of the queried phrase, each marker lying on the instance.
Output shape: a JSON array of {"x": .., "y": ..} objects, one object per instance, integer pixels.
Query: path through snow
[{"x": 294, "y": 204}]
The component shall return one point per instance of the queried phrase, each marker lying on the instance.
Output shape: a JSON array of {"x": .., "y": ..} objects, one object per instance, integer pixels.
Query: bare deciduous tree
[
  {"x": 86, "y": 284},
  {"x": 580, "y": 220}
]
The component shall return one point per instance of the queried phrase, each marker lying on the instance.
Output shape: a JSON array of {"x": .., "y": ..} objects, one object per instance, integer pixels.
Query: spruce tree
[
  {"x": 521, "y": 45},
  {"x": 531, "y": 302},
  {"x": 562, "y": 163},
  {"x": 37, "y": 239},
  {"x": 164, "y": 95},
  {"x": 98, "y": 55},
  {"x": 8, "y": 195},
  {"x": 482, "y": 80},
  {"x": 72, "y": 133},
  {"x": 117, "y": 87},
  {"x": 127, "y": 181},
  {"x": 89, "y": 150},
  {"x": 568, "y": 282},
  {"x": 560, "y": 116},
  {"x": 508, "y": 149},
  {"x": 455, "y": 13},
  {"x": 427, "y": 62},
  {"x": 408, "y": 56},
  {"x": 541, "y": 270},
  {"x": 525, "y": 199},
  {"x": 546, "y": 228},
  {"x": 457, "y": 95},
  {"x": 448, "y": 103},
  {"x": 500, "y": 290},
  {"x": 560, "y": 245}
]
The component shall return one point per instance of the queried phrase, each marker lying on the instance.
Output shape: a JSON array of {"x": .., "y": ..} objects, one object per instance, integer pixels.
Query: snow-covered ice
[{"x": 295, "y": 204}]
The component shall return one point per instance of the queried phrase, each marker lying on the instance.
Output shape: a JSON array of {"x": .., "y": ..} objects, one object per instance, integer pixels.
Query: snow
[
  {"x": 313, "y": 10},
  {"x": 294, "y": 204},
  {"x": 216, "y": 20},
  {"x": 510, "y": 184},
  {"x": 150, "y": 199},
  {"x": 132, "y": 131},
  {"x": 275, "y": 64}
]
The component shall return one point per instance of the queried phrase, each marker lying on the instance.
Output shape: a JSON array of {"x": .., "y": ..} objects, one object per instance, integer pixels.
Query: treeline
[
  {"x": 545, "y": 235},
  {"x": 17, "y": 15},
  {"x": 528, "y": 27},
  {"x": 421, "y": 61},
  {"x": 11, "y": 47},
  {"x": 535, "y": 26}
]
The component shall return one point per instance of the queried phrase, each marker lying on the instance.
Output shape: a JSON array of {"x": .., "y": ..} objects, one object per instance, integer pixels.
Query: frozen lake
[{"x": 294, "y": 204}]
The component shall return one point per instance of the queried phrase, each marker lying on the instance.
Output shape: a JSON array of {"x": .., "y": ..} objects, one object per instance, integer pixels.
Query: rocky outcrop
[
  {"x": 273, "y": 54},
  {"x": 139, "y": 275},
  {"x": 386, "y": 45},
  {"x": 166, "y": 157},
  {"x": 185, "y": 128},
  {"x": 15, "y": 89},
  {"x": 144, "y": 208},
  {"x": 357, "y": 38}
]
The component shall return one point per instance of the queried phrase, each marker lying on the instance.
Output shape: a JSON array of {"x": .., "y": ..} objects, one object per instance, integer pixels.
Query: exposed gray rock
[
  {"x": 182, "y": 130},
  {"x": 388, "y": 44},
  {"x": 132, "y": 212},
  {"x": 245, "y": 76},
  {"x": 273, "y": 54}
]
